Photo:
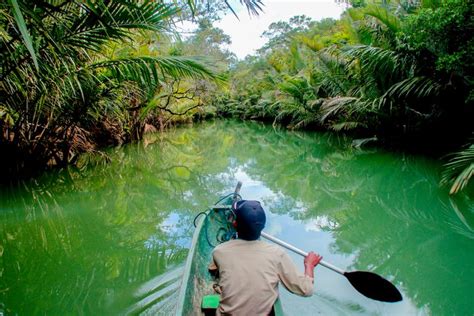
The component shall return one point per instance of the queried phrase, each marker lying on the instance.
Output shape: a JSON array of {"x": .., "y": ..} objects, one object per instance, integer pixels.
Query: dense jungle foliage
[
  {"x": 78, "y": 76},
  {"x": 399, "y": 73}
]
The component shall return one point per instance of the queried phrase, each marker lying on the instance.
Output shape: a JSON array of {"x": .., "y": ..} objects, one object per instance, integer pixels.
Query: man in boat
[{"x": 250, "y": 270}]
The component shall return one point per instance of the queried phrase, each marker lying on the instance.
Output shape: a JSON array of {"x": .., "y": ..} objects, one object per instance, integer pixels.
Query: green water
[{"x": 111, "y": 238}]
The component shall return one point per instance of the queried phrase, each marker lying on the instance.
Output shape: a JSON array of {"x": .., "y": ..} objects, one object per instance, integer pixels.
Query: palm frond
[
  {"x": 459, "y": 170},
  {"x": 377, "y": 60},
  {"x": 254, "y": 7},
  {"x": 101, "y": 22},
  {"x": 418, "y": 87},
  {"x": 383, "y": 15},
  {"x": 331, "y": 72},
  {"x": 147, "y": 69},
  {"x": 296, "y": 87},
  {"x": 333, "y": 106}
]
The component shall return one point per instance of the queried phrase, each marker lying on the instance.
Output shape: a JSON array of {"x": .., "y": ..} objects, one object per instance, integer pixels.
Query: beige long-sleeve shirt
[{"x": 249, "y": 273}]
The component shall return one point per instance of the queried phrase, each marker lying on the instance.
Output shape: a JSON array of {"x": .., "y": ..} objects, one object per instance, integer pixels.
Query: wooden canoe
[{"x": 212, "y": 228}]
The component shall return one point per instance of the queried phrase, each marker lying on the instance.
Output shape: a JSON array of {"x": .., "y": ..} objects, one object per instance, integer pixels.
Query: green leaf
[
  {"x": 20, "y": 21},
  {"x": 383, "y": 15},
  {"x": 459, "y": 170}
]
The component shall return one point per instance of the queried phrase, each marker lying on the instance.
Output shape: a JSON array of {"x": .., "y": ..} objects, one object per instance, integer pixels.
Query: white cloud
[{"x": 245, "y": 34}]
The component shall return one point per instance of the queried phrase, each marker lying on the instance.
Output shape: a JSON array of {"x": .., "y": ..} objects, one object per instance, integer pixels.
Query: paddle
[{"x": 367, "y": 283}]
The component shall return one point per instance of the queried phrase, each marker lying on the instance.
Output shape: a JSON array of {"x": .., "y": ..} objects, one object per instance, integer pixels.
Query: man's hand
[{"x": 310, "y": 261}]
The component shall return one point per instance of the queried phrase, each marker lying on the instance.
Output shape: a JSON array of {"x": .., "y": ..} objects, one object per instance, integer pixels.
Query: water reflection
[
  {"x": 83, "y": 241},
  {"x": 112, "y": 238}
]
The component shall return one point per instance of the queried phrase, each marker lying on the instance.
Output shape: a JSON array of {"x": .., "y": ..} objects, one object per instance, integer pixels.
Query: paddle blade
[{"x": 373, "y": 286}]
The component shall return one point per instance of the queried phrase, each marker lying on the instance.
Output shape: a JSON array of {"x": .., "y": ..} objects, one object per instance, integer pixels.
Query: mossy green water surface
[{"x": 111, "y": 238}]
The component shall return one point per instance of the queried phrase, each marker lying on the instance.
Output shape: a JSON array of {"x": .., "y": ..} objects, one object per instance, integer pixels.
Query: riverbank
[{"x": 97, "y": 152}]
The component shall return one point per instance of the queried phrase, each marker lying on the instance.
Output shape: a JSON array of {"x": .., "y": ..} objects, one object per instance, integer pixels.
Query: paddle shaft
[{"x": 300, "y": 252}]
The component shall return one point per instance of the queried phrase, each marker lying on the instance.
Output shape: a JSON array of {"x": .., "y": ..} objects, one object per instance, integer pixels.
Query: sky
[{"x": 246, "y": 33}]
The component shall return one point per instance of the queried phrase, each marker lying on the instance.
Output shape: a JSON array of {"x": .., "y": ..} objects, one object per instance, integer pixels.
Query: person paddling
[{"x": 250, "y": 270}]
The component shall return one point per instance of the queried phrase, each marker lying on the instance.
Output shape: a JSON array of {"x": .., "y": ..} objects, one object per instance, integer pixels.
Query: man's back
[{"x": 249, "y": 273}]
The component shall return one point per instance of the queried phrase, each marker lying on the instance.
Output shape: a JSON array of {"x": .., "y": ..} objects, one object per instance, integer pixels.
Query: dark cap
[{"x": 250, "y": 219}]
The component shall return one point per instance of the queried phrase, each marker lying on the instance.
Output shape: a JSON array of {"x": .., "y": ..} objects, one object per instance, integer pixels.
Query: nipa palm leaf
[{"x": 459, "y": 170}]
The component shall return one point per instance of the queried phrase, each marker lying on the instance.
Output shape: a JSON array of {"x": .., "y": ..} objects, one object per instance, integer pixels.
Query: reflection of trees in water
[
  {"x": 83, "y": 240},
  {"x": 386, "y": 208},
  {"x": 78, "y": 258}
]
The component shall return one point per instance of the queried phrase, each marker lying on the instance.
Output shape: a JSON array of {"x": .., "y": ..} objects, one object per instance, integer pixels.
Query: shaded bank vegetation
[
  {"x": 399, "y": 73},
  {"x": 76, "y": 77}
]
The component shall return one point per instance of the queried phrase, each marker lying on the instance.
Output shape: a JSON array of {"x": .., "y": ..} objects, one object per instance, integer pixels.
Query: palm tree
[{"x": 59, "y": 81}]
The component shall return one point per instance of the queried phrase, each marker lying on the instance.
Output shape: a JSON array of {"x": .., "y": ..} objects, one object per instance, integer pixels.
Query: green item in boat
[{"x": 210, "y": 301}]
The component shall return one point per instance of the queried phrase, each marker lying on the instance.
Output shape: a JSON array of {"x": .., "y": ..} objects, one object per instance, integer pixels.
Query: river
[{"x": 111, "y": 235}]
